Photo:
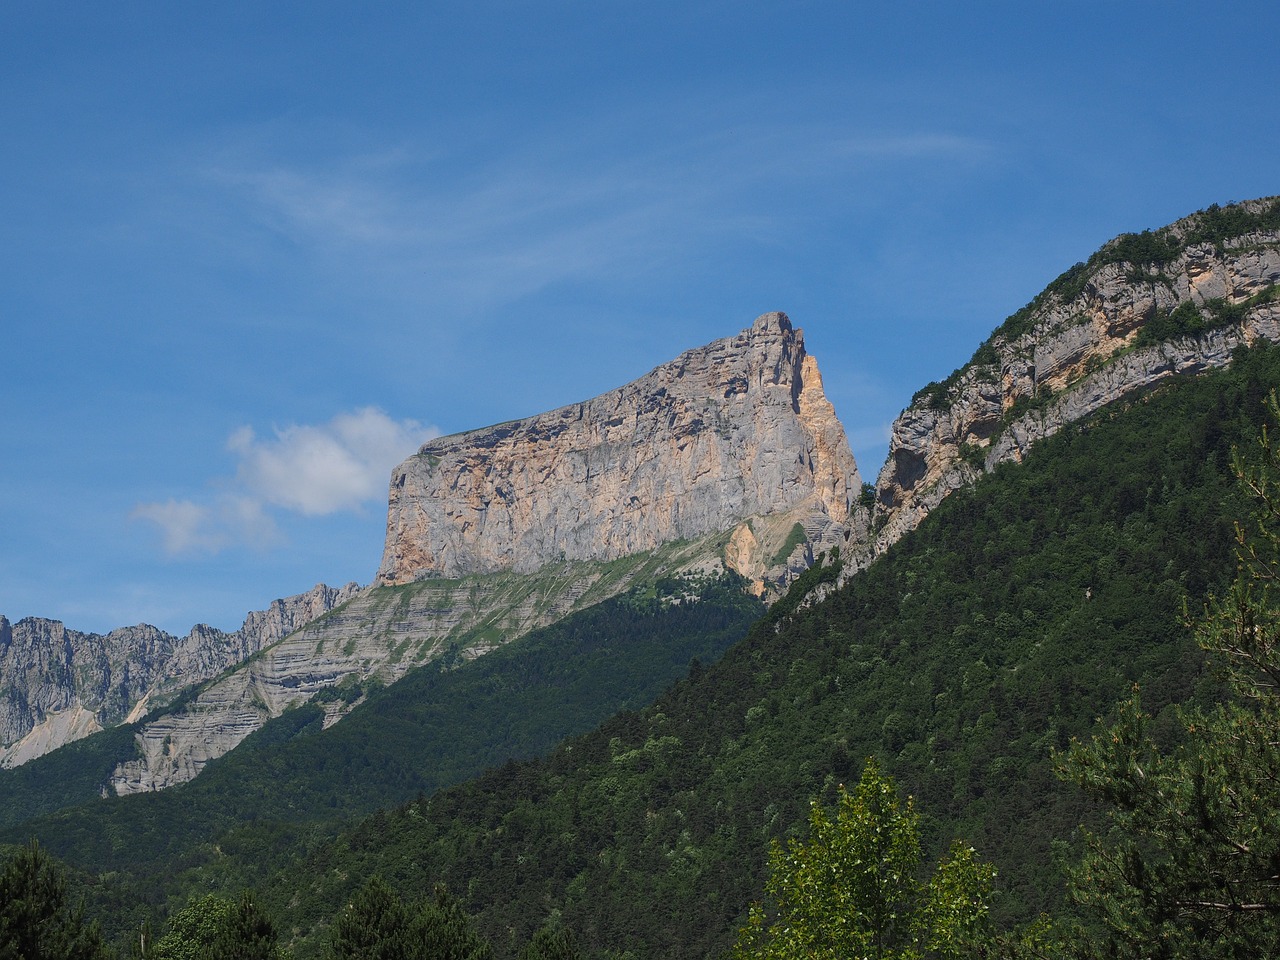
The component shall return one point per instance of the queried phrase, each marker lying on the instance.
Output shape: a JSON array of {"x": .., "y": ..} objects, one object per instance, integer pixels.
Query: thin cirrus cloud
[
  {"x": 512, "y": 224},
  {"x": 305, "y": 469}
]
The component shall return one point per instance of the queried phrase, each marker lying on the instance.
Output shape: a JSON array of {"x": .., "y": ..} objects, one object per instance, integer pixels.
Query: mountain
[
  {"x": 733, "y": 451},
  {"x": 61, "y": 685},
  {"x": 1019, "y": 565},
  {"x": 1143, "y": 308},
  {"x": 1019, "y": 611},
  {"x": 734, "y": 430},
  {"x": 728, "y": 457}
]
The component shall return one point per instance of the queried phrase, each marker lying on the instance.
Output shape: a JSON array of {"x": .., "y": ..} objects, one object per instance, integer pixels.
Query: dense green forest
[
  {"x": 1022, "y": 611},
  {"x": 1019, "y": 613},
  {"x": 291, "y": 782}
]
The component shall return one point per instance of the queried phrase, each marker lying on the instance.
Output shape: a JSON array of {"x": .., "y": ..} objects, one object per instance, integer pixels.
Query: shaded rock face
[
  {"x": 1075, "y": 355},
  {"x": 735, "y": 429},
  {"x": 59, "y": 685}
]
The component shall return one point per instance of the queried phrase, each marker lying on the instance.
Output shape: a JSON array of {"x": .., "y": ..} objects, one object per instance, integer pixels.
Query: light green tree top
[{"x": 851, "y": 890}]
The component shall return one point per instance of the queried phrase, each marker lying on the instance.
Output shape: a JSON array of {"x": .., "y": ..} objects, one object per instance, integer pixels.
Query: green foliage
[
  {"x": 72, "y": 774},
  {"x": 218, "y": 928},
  {"x": 551, "y": 942},
  {"x": 378, "y": 925},
  {"x": 867, "y": 495},
  {"x": 1146, "y": 250},
  {"x": 851, "y": 890},
  {"x": 1187, "y": 320},
  {"x": 795, "y": 537},
  {"x": 373, "y": 926},
  {"x": 191, "y": 930},
  {"x": 248, "y": 934},
  {"x": 1020, "y": 611},
  {"x": 1188, "y": 865},
  {"x": 37, "y": 922},
  {"x": 287, "y": 784},
  {"x": 1184, "y": 321}
]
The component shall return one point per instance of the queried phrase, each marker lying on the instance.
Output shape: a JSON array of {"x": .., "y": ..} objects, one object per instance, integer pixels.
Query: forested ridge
[{"x": 1020, "y": 612}]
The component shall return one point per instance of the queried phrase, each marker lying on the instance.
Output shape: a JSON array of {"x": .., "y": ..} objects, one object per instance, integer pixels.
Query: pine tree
[
  {"x": 374, "y": 926},
  {"x": 248, "y": 934},
  {"x": 36, "y": 920}
]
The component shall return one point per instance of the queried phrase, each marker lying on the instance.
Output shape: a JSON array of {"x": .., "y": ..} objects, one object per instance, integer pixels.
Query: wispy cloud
[
  {"x": 480, "y": 231},
  {"x": 341, "y": 465}
]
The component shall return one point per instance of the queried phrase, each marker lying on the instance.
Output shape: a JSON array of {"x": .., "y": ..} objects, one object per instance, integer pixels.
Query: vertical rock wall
[{"x": 736, "y": 429}]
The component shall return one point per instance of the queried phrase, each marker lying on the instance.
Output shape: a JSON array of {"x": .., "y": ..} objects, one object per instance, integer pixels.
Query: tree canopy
[
  {"x": 1189, "y": 865},
  {"x": 851, "y": 891}
]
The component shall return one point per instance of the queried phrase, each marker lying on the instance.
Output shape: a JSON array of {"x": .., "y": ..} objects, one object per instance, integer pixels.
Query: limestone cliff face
[
  {"x": 735, "y": 429},
  {"x": 1195, "y": 292},
  {"x": 63, "y": 684}
]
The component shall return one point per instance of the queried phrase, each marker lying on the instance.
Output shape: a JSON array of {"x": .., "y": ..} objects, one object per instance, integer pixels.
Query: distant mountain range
[
  {"x": 962, "y": 650},
  {"x": 727, "y": 458}
]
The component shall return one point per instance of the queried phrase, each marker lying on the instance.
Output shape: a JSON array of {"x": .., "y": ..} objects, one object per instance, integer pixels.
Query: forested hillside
[
  {"x": 1019, "y": 613},
  {"x": 291, "y": 784}
]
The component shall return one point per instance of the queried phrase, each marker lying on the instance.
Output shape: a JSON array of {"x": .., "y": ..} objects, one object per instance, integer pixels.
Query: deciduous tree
[{"x": 851, "y": 889}]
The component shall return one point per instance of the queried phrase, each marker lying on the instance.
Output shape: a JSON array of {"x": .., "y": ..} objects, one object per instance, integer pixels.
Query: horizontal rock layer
[
  {"x": 381, "y": 633},
  {"x": 1071, "y": 355},
  {"x": 62, "y": 684}
]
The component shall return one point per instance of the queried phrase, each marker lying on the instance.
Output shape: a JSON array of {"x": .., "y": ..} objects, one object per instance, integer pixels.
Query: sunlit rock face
[
  {"x": 736, "y": 429},
  {"x": 1074, "y": 354}
]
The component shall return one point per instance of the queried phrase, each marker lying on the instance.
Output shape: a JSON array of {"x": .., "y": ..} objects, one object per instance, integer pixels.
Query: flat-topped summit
[{"x": 736, "y": 429}]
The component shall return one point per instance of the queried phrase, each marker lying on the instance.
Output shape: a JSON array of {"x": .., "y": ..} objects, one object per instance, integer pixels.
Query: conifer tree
[
  {"x": 36, "y": 920},
  {"x": 378, "y": 925},
  {"x": 215, "y": 927},
  {"x": 374, "y": 926},
  {"x": 248, "y": 934}
]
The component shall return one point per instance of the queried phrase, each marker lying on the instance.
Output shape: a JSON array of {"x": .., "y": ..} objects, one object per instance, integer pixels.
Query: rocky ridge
[
  {"x": 734, "y": 448},
  {"x": 62, "y": 684},
  {"x": 1144, "y": 308},
  {"x": 730, "y": 456},
  {"x": 375, "y": 638},
  {"x": 737, "y": 429}
]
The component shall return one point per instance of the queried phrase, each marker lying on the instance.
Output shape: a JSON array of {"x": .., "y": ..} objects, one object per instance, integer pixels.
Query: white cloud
[
  {"x": 185, "y": 527},
  {"x": 321, "y": 470},
  {"x": 475, "y": 232},
  {"x": 311, "y": 470}
]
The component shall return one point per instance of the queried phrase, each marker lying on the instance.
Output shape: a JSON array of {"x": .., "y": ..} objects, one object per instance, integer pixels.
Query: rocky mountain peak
[
  {"x": 63, "y": 684},
  {"x": 736, "y": 429}
]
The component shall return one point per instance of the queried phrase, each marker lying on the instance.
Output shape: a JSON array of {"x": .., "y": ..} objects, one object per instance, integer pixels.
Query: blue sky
[{"x": 254, "y": 253}]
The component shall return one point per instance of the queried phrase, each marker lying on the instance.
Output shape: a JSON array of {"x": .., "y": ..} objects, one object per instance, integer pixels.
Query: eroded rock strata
[
  {"x": 1144, "y": 308},
  {"x": 736, "y": 429},
  {"x": 61, "y": 685}
]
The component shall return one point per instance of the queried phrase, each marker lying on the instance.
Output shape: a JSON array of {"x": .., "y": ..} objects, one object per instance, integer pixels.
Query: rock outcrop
[
  {"x": 736, "y": 429},
  {"x": 1144, "y": 308},
  {"x": 62, "y": 684},
  {"x": 380, "y": 635}
]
